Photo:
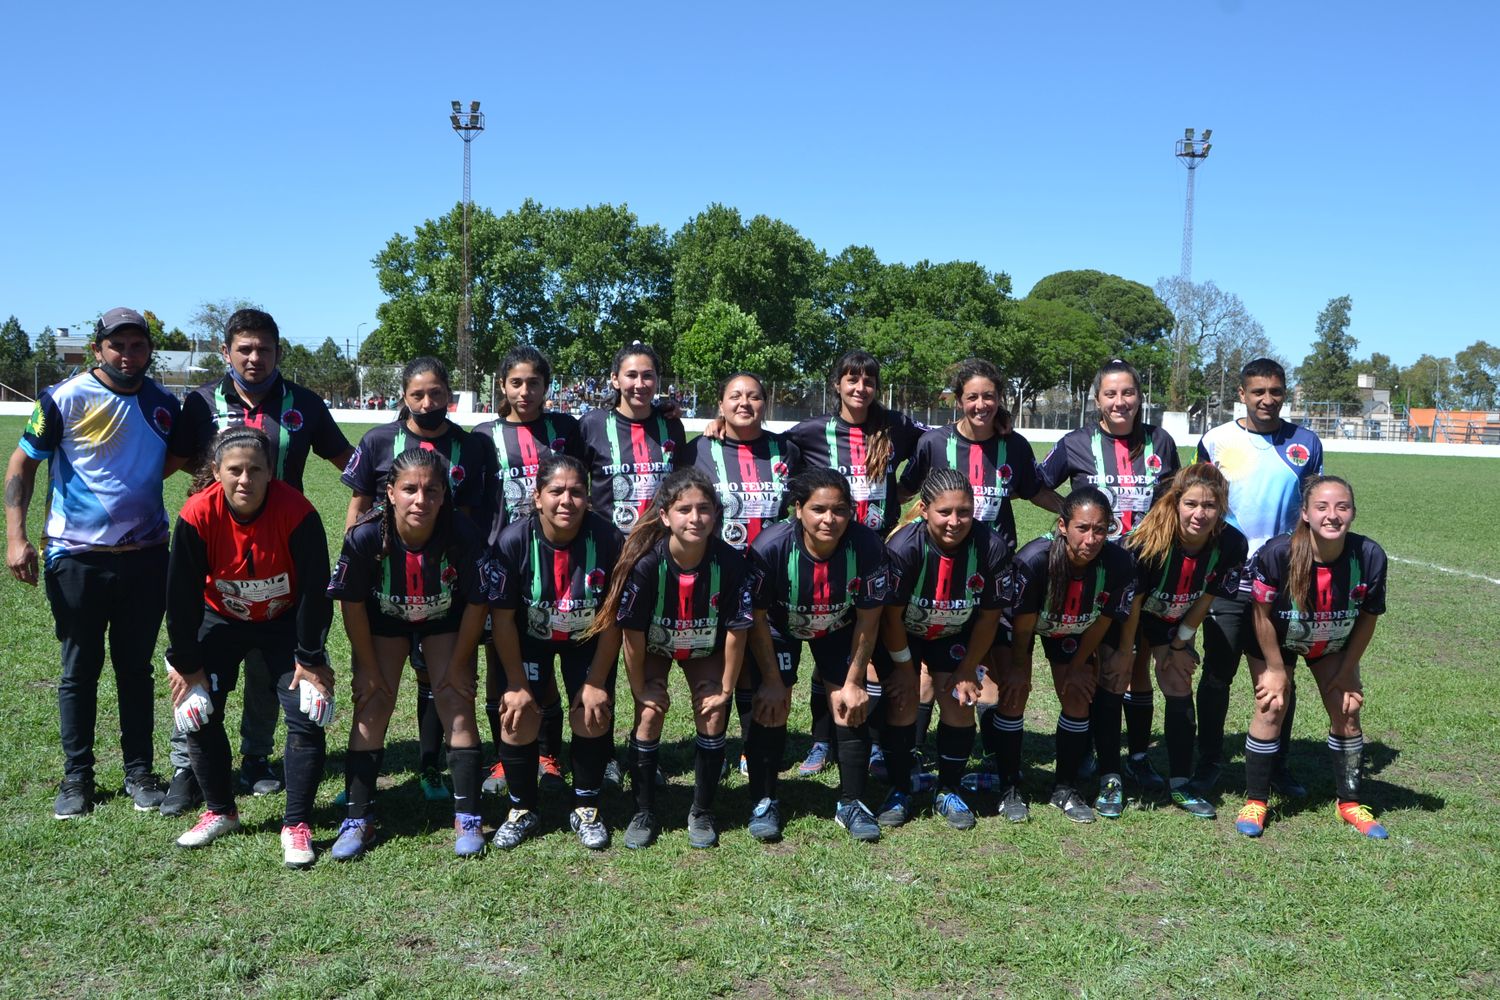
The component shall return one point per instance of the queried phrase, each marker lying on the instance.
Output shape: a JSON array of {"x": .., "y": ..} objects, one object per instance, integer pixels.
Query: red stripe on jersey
[
  {"x": 1124, "y": 467},
  {"x": 1185, "y": 575},
  {"x": 822, "y": 593},
  {"x": 562, "y": 584},
  {"x": 977, "y": 478},
  {"x": 414, "y": 583},
  {"x": 749, "y": 474},
  {"x": 685, "y": 582},
  {"x": 1073, "y": 603},
  {"x": 527, "y": 442},
  {"x": 857, "y": 457},
  {"x": 943, "y": 591},
  {"x": 1322, "y": 603},
  {"x": 640, "y": 445}
]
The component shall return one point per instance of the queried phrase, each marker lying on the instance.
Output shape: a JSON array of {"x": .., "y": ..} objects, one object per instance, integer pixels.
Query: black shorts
[
  {"x": 1153, "y": 630},
  {"x": 788, "y": 652},
  {"x": 940, "y": 656},
  {"x": 538, "y": 659},
  {"x": 395, "y": 628},
  {"x": 224, "y": 643},
  {"x": 1060, "y": 649}
]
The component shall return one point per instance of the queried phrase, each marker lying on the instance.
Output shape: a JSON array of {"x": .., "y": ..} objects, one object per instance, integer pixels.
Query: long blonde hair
[{"x": 1159, "y": 530}]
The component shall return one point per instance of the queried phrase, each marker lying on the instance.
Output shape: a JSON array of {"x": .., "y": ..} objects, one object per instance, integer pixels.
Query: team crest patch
[
  {"x": 1153, "y": 462},
  {"x": 668, "y": 446},
  {"x": 713, "y": 601},
  {"x": 292, "y": 420},
  {"x": 595, "y": 581},
  {"x": 1005, "y": 473},
  {"x": 1297, "y": 454},
  {"x": 975, "y": 583},
  {"x": 557, "y": 445},
  {"x": 1070, "y": 645},
  {"x": 449, "y": 575},
  {"x": 1358, "y": 593},
  {"x": 162, "y": 417},
  {"x": 957, "y": 651},
  {"x": 854, "y": 584},
  {"x": 456, "y": 474}
]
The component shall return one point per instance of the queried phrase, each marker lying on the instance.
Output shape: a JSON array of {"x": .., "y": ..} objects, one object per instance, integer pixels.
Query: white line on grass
[{"x": 1444, "y": 569}]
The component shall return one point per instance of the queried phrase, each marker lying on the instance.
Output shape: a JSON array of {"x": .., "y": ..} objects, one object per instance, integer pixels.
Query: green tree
[
  {"x": 1327, "y": 373},
  {"x": 1214, "y": 337},
  {"x": 725, "y": 339},
  {"x": 173, "y": 340},
  {"x": 210, "y": 319},
  {"x": 1385, "y": 372},
  {"x": 1130, "y": 312},
  {"x": 914, "y": 348},
  {"x": 1038, "y": 342},
  {"x": 46, "y": 361},
  {"x": 16, "y": 370},
  {"x": 1426, "y": 382},
  {"x": 1478, "y": 380}
]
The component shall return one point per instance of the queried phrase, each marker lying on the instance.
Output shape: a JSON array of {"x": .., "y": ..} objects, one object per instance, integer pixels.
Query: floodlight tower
[
  {"x": 467, "y": 124},
  {"x": 1191, "y": 152}
]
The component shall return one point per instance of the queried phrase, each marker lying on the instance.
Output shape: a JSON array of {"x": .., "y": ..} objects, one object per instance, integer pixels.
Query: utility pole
[
  {"x": 467, "y": 124},
  {"x": 1190, "y": 152}
]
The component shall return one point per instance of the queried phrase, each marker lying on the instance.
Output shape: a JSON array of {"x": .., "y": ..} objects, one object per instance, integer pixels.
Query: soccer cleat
[
  {"x": 1012, "y": 806},
  {"x": 1111, "y": 801},
  {"x": 296, "y": 845},
  {"x": 1088, "y": 767},
  {"x": 856, "y": 817},
  {"x": 75, "y": 797},
  {"x": 703, "y": 828},
  {"x": 952, "y": 807},
  {"x": 518, "y": 827},
  {"x": 642, "y": 830},
  {"x": 468, "y": 831},
  {"x": 1072, "y": 805},
  {"x": 549, "y": 774},
  {"x": 923, "y": 781},
  {"x": 744, "y": 766},
  {"x": 1363, "y": 820},
  {"x": 592, "y": 833},
  {"x": 981, "y": 781},
  {"x": 257, "y": 778},
  {"x": 146, "y": 792},
  {"x": 1145, "y": 775},
  {"x": 1251, "y": 820},
  {"x": 341, "y": 800},
  {"x": 895, "y": 811},
  {"x": 1184, "y": 798},
  {"x": 765, "y": 821},
  {"x": 433, "y": 787},
  {"x": 355, "y": 835},
  {"x": 183, "y": 793},
  {"x": 614, "y": 774},
  {"x": 494, "y": 782},
  {"x": 209, "y": 828},
  {"x": 815, "y": 761},
  {"x": 878, "y": 770},
  {"x": 1285, "y": 783}
]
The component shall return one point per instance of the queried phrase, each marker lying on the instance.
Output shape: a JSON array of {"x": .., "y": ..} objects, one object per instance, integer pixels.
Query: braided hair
[
  {"x": 1057, "y": 556},
  {"x": 385, "y": 512}
]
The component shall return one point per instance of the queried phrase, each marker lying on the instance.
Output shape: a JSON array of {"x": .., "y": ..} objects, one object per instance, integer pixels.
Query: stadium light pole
[
  {"x": 467, "y": 125},
  {"x": 359, "y": 373},
  {"x": 1190, "y": 152}
]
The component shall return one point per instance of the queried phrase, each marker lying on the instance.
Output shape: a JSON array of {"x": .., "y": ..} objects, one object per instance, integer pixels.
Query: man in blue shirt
[{"x": 104, "y": 435}]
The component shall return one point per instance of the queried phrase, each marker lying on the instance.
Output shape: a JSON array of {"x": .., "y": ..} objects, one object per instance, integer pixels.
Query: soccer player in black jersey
[
  {"x": 1127, "y": 459},
  {"x": 1187, "y": 554},
  {"x": 866, "y": 443},
  {"x": 1068, "y": 589},
  {"x": 413, "y": 570},
  {"x": 469, "y": 459},
  {"x": 297, "y": 424},
  {"x": 554, "y": 569},
  {"x": 684, "y": 599},
  {"x": 248, "y": 571},
  {"x": 819, "y": 579},
  {"x": 948, "y": 576},
  {"x": 999, "y": 465},
  {"x": 524, "y": 434},
  {"x": 1318, "y": 594}
]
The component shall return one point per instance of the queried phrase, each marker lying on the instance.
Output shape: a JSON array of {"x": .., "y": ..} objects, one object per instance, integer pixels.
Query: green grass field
[{"x": 1156, "y": 903}]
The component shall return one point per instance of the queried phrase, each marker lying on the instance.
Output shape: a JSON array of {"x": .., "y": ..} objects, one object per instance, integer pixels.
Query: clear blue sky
[{"x": 166, "y": 154}]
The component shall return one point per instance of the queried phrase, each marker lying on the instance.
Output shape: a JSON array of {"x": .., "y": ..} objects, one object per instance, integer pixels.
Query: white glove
[
  {"x": 314, "y": 704},
  {"x": 194, "y": 710}
]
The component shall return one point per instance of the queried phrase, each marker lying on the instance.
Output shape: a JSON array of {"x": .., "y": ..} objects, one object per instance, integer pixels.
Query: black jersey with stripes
[
  {"x": 555, "y": 590},
  {"x": 940, "y": 591},
  {"x": 685, "y": 612},
  {"x": 414, "y": 590},
  {"x": 294, "y": 419},
  {"x": 1104, "y": 587},
  {"x": 750, "y": 478},
  {"x": 627, "y": 461},
  {"x": 835, "y": 443},
  {"x": 1090, "y": 457},
  {"x": 1321, "y": 621},
  {"x": 809, "y": 598},
  {"x": 519, "y": 450},
  {"x": 1172, "y": 585},
  {"x": 469, "y": 459},
  {"x": 1000, "y": 470}
]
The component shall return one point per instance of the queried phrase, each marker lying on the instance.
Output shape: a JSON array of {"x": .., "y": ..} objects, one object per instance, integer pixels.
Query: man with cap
[
  {"x": 296, "y": 421},
  {"x": 104, "y": 434}
]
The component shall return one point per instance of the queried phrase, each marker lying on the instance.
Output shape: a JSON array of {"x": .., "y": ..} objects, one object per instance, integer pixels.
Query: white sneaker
[
  {"x": 209, "y": 828},
  {"x": 296, "y": 845}
]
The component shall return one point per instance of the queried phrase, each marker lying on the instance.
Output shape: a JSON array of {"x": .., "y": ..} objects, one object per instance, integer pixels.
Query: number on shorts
[{"x": 533, "y": 671}]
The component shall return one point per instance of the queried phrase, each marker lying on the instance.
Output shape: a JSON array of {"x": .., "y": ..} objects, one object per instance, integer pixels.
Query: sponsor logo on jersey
[
  {"x": 1153, "y": 462},
  {"x": 162, "y": 417},
  {"x": 595, "y": 581},
  {"x": 1297, "y": 454},
  {"x": 456, "y": 474},
  {"x": 975, "y": 583},
  {"x": 1005, "y": 473},
  {"x": 292, "y": 420},
  {"x": 1358, "y": 593}
]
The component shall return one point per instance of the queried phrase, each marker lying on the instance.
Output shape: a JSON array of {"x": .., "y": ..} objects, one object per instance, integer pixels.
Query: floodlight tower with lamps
[
  {"x": 1191, "y": 152},
  {"x": 467, "y": 124}
]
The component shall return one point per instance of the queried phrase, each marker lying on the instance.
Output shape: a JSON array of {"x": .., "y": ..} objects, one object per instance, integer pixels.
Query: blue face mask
[{"x": 255, "y": 387}]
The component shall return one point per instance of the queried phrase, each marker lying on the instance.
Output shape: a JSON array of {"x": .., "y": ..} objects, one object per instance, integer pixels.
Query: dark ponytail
[
  {"x": 636, "y": 348},
  {"x": 522, "y": 354},
  {"x": 240, "y": 436},
  {"x": 1058, "y": 569},
  {"x": 1115, "y": 366}
]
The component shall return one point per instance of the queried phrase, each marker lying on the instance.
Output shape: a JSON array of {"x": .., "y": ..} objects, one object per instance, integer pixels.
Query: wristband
[
  {"x": 904, "y": 655},
  {"x": 1186, "y": 634}
]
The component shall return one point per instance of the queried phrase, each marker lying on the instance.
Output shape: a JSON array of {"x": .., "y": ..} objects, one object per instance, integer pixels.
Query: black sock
[
  {"x": 766, "y": 746},
  {"x": 466, "y": 764},
  {"x": 1139, "y": 709},
  {"x": 492, "y": 713},
  {"x": 821, "y": 728},
  {"x": 550, "y": 736},
  {"x": 744, "y": 703},
  {"x": 1072, "y": 744},
  {"x": 989, "y": 734},
  {"x": 1177, "y": 727},
  {"x": 875, "y": 717},
  {"x": 361, "y": 767},
  {"x": 954, "y": 743},
  {"x": 643, "y": 772},
  {"x": 1284, "y": 738},
  {"x": 708, "y": 768},
  {"x": 429, "y": 728},
  {"x": 1348, "y": 754},
  {"x": 897, "y": 742},
  {"x": 590, "y": 753},
  {"x": 303, "y": 764},
  {"x": 924, "y": 723},
  {"x": 1007, "y": 731},
  {"x": 1260, "y": 764},
  {"x": 208, "y": 749},
  {"x": 1104, "y": 723},
  {"x": 854, "y": 760},
  {"x": 1213, "y": 708},
  {"x": 520, "y": 773}
]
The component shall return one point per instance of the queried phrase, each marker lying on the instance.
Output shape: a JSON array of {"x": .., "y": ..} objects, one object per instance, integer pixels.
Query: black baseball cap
[{"x": 117, "y": 319}]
